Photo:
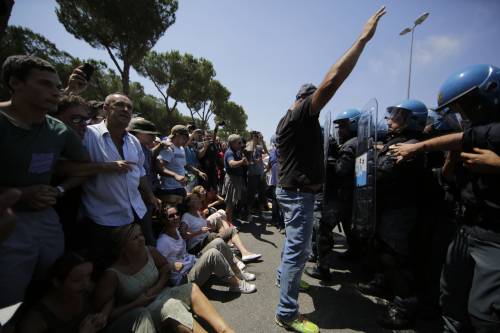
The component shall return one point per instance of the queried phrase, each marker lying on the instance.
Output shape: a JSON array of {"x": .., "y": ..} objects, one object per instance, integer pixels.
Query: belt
[{"x": 300, "y": 189}]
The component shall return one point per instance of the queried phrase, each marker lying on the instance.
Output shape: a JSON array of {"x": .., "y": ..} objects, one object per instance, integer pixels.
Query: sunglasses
[{"x": 79, "y": 119}]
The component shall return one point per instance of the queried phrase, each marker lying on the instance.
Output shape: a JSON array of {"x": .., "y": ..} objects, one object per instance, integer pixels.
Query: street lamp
[{"x": 406, "y": 30}]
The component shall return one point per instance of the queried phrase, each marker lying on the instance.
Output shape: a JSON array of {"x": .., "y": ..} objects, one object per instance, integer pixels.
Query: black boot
[
  {"x": 375, "y": 287},
  {"x": 315, "y": 272},
  {"x": 395, "y": 317}
]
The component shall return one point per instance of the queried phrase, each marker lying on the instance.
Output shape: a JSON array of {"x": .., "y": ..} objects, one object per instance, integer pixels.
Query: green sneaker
[
  {"x": 304, "y": 286},
  {"x": 301, "y": 325}
]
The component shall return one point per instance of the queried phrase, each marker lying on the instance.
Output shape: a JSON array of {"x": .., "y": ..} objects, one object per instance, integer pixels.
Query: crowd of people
[
  {"x": 108, "y": 226},
  {"x": 94, "y": 196}
]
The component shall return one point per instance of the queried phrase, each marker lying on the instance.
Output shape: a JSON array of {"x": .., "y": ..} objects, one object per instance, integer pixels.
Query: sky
[{"x": 263, "y": 50}]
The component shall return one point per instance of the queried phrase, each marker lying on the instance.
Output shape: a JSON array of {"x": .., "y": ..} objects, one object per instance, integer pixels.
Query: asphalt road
[{"x": 336, "y": 307}]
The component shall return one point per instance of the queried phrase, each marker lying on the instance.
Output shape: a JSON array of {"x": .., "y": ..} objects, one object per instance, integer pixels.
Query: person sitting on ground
[
  {"x": 66, "y": 306},
  {"x": 211, "y": 201},
  {"x": 216, "y": 258},
  {"x": 138, "y": 279},
  {"x": 196, "y": 230}
]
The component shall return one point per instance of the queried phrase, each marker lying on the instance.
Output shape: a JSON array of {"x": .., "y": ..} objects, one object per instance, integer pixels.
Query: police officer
[
  {"x": 397, "y": 205},
  {"x": 338, "y": 190},
  {"x": 470, "y": 281}
]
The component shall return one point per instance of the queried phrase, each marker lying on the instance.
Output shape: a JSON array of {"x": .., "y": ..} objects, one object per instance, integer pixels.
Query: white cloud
[{"x": 436, "y": 49}]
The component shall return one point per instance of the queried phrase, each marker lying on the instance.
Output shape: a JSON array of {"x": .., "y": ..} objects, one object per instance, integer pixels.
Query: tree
[
  {"x": 19, "y": 40},
  {"x": 5, "y": 11},
  {"x": 235, "y": 118},
  {"x": 126, "y": 29}
]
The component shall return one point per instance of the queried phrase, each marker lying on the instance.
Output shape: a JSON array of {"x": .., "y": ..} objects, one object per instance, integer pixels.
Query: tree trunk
[
  {"x": 169, "y": 119},
  {"x": 5, "y": 11},
  {"x": 125, "y": 78}
]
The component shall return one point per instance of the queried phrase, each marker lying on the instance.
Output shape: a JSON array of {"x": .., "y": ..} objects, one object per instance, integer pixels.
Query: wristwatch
[{"x": 61, "y": 190}]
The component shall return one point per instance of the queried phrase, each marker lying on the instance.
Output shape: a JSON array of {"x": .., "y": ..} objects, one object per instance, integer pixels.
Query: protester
[
  {"x": 171, "y": 163},
  {"x": 216, "y": 258},
  {"x": 234, "y": 183},
  {"x": 198, "y": 233},
  {"x": 66, "y": 307},
  {"x": 114, "y": 200},
  {"x": 38, "y": 239},
  {"x": 300, "y": 147},
  {"x": 255, "y": 149},
  {"x": 145, "y": 131},
  {"x": 137, "y": 280}
]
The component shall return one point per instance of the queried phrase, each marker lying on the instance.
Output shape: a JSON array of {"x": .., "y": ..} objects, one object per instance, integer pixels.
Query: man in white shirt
[{"x": 114, "y": 200}]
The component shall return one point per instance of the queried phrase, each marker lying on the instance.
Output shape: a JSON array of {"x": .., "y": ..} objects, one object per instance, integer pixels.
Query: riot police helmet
[
  {"x": 474, "y": 93},
  {"x": 352, "y": 115},
  {"x": 410, "y": 113}
]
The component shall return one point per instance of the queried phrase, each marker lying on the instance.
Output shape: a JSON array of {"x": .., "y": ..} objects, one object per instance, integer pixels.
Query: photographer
[
  {"x": 255, "y": 150},
  {"x": 234, "y": 182},
  {"x": 208, "y": 157}
]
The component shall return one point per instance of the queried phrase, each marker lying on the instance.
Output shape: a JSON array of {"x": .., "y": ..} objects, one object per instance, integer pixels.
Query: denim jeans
[{"x": 297, "y": 208}]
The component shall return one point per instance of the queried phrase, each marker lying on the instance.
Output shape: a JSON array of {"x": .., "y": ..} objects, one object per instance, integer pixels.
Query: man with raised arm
[{"x": 300, "y": 147}]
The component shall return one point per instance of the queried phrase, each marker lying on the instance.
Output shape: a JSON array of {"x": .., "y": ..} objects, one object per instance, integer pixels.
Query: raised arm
[{"x": 344, "y": 66}]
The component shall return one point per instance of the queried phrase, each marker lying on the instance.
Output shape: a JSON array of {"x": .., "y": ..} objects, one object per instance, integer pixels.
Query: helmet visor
[{"x": 467, "y": 105}]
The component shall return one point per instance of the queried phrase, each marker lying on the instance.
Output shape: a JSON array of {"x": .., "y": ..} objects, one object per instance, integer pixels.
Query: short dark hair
[
  {"x": 64, "y": 265},
  {"x": 19, "y": 66},
  {"x": 70, "y": 101},
  {"x": 95, "y": 107}
]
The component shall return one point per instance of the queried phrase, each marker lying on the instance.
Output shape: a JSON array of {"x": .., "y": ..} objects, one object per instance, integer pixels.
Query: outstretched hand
[
  {"x": 403, "y": 151},
  {"x": 371, "y": 25}
]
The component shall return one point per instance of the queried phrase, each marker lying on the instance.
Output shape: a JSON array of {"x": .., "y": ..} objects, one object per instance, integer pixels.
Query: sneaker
[
  {"x": 300, "y": 324},
  {"x": 251, "y": 257},
  {"x": 243, "y": 287},
  {"x": 304, "y": 286},
  {"x": 247, "y": 276},
  {"x": 241, "y": 265},
  {"x": 318, "y": 273}
]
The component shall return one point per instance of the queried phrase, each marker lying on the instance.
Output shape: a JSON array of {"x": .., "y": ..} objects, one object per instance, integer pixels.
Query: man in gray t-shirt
[{"x": 171, "y": 163}]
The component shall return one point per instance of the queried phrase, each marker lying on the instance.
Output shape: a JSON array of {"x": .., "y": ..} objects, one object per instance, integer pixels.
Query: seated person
[
  {"x": 216, "y": 217},
  {"x": 138, "y": 279},
  {"x": 196, "y": 230},
  {"x": 216, "y": 258},
  {"x": 66, "y": 306}
]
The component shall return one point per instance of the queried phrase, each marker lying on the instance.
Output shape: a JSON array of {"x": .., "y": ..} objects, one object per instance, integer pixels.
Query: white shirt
[
  {"x": 175, "y": 160},
  {"x": 195, "y": 223},
  {"x": 174, "y": 250},
  {"x": 110, "y": 199}
]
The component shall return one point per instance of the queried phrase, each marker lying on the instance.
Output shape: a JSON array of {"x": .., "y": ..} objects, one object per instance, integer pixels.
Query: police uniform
[{"x": 470, "y": 281}]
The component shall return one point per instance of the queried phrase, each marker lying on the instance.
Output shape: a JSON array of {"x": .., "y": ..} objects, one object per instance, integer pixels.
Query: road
[{"x": 336, "y": 307}]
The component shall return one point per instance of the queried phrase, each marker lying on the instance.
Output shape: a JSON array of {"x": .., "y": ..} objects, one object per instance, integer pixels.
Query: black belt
[{"x": 300, "y": 189}]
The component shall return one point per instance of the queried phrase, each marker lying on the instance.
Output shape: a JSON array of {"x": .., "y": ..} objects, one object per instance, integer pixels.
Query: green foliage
[
  {"x": 19, "y": 40},
  {"x": 127, "y": 29},
  {"x": 235, "y": 118}
]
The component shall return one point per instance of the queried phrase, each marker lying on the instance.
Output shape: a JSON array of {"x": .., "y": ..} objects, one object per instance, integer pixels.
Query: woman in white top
[
  {"x": 216, "y": 258},
  {"x": 198, "y": 231}
]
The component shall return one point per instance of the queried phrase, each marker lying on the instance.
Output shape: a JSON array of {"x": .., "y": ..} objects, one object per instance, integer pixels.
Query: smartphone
[{"x": 88, "y": 69}]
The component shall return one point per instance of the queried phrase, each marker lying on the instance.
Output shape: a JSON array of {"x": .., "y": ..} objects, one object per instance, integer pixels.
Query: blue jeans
[{"x": 297, "y": 208}]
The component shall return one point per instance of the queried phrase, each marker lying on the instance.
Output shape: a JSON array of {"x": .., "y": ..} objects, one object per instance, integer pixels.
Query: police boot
[
  {"x": 319, "y": 273},
  {"x": 396, "y": 317},
  {"x": 375, "y": 287}
]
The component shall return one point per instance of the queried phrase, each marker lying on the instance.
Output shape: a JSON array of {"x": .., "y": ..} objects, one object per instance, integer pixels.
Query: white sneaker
[
  {"x": 240, "y": 265},
  {"x": 246, "y": 276},
  {"x": 251, "y": 257},
  {"x": 243, "y": 287}
]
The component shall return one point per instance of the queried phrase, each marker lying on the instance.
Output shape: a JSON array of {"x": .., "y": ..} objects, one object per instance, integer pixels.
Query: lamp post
[{"x": 406, "y": 30}]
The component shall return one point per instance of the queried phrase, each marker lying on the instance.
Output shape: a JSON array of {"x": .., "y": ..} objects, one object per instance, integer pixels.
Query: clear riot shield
[{"x": 364, "y": 199}]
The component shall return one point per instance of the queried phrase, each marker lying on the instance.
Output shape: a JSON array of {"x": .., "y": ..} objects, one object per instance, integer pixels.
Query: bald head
[{"x": 118, "y": 108}]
